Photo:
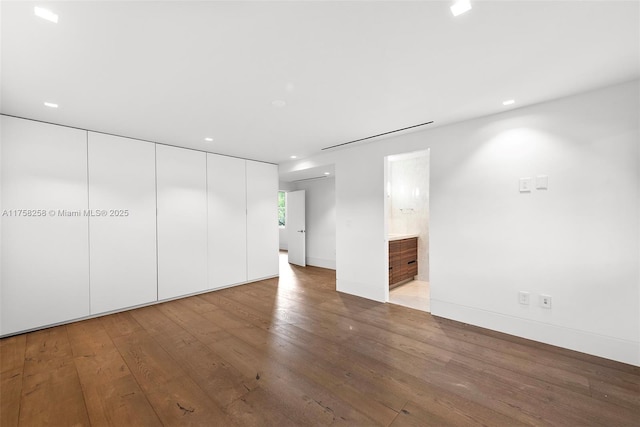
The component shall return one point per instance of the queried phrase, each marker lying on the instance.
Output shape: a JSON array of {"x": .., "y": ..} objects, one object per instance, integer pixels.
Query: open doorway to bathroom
[{"x": 407, "y": 218}]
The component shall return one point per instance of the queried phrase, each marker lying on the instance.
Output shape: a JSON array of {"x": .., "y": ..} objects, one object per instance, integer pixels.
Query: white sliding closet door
[
  {"x": 45, "y": 259},
  {"x": 262, "y": 220},
  {"x": 122, "y": 181},
  {"x": 182, "y": 221},
  {"x": 227, "y": 197}
]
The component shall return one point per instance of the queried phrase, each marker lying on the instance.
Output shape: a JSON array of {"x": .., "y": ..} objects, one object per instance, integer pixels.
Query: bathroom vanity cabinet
[{"x": 403, "y": 260}]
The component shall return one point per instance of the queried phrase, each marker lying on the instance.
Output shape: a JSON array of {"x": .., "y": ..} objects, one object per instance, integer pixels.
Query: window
[{"x": 282, "y": 208}]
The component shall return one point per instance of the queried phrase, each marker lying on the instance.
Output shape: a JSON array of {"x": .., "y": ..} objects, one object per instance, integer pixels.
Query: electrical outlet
[
  {"x": 542, "y": 182},
  {"x": 545, "y": 301},
  {"x": 526, "y": 184},
  {"x": 523, "y": 297}
]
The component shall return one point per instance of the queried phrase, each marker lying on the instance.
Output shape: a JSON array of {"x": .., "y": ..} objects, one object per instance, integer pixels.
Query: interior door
[
  {"x": 182, "y": 221},
  {"x": 45, "y": 257},
  {"x": 122, "y": 249},
  {"x": 227, "y": 199},
  {"x": 296, "y": 228},
  {"x": 262, "y": 220}
]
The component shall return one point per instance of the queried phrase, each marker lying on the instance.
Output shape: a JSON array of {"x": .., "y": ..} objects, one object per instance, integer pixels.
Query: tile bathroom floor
[{"x": 414, "y": 294}]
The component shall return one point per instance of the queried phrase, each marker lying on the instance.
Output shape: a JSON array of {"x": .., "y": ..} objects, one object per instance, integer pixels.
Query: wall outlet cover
[
  {"x": 542, "y": 182},
  {"x": 526, "y": 184},
  {"x": 545, "y": 301}
]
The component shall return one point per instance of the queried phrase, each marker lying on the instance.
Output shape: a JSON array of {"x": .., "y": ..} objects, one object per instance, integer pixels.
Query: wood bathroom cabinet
[{"x": 403, "y": 260}]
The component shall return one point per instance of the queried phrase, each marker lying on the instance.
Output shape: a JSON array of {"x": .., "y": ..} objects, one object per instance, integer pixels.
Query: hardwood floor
[{"x": 293, "y": 352}]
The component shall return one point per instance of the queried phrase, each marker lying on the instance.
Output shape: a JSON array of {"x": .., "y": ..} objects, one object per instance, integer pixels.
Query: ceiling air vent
[
  {"x": 309, "y": 179},
  {"x": 375, "y": 136}
]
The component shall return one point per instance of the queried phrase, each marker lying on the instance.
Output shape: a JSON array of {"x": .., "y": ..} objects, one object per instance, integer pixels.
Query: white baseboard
[
  {"x": 120, "y": 310},
  {"x": 323, "y": 263},
  {"x": 586, "y": 342},
  {"x": 360, "y": 290}
]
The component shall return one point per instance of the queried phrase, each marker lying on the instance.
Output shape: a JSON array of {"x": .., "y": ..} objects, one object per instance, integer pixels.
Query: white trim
[
  {"x": 121, "y": 310},
  {"x": 353, "y": 288},
  {"x": 620, "y": 350},
  {"x": 322, "y": 263}
]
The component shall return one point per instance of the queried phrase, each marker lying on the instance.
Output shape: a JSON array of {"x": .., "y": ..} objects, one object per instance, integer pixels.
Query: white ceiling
[{"x": 177, "y": 72}]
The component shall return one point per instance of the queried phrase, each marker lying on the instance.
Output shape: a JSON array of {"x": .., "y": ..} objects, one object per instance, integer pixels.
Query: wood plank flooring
[{"x": 294, "y": 352}]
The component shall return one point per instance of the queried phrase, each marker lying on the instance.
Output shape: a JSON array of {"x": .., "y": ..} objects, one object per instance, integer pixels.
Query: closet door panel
[
  {"x": 227, "y": 199},
  {"x": 182, "y": 221},
  {"x": 123, "y": 243},
  {"x": 262, "y": 220},
  {"x": 45, "y": 257}
]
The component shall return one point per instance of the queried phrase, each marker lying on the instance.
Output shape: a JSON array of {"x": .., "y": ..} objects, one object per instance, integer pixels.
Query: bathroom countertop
[{"x": 392, "y": 237}]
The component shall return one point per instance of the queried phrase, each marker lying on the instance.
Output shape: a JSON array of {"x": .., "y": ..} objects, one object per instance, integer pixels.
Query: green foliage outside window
[{"x": 282, "y": 208}]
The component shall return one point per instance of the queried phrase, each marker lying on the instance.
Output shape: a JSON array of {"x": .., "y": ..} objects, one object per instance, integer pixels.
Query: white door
[
  {"x": 122, "y": 176},
  {"x": 45, "y": 256},
  {"x": 227, "y": 198},
  {"x": 182, "y": 221},
  {"x": 296, "y": 228},
  {"x": 262, "y": 220}
]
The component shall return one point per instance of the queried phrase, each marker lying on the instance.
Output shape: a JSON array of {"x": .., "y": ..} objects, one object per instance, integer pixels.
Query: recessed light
[
  {"x": 509, "y": 102},
  {"x": 327, "y": 173},
  {"x": 51, "y": 105},
  {"x": 45, "y": 14},
  {"x": 209, "y": 139},
  {"x": 294, "y": 157},
  {"x": 278, "y": 103},
  {"x": 460, "y": 7}
]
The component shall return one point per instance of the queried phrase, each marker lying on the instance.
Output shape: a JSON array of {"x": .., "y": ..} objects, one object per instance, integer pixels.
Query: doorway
[
  {"x": 314, "y": 190},
  {"x": 296, "y": 229},
  {"x": 407, "y": 217}
]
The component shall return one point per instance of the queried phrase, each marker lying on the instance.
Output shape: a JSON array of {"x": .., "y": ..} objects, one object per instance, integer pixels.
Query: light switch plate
[
  {"x": 526, "y": 184},
  {"x": 542, "y": 182}
]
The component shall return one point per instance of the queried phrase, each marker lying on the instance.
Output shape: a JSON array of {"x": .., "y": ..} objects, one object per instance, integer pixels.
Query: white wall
[
  {"x": 577, "y": 241},
  {"x": 320, "y": 205},
  {"x": 362, "y": 263}
]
